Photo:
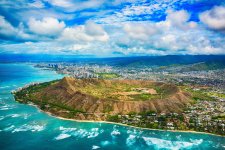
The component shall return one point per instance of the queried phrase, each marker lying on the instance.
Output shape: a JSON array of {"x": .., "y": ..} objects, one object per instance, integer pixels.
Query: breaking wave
[
  {"x": 7, "y": 107},
  {"x": 115, "y": 131},
  {"x": 131, "y": 140},
  {"x": 95, "y": 147},
  {"x": 81, "y": 133},
  {"x": 170, "y": 145},
  {"x": 25, "y": 116},
  {"x": 25, "y": 127},
  {"x": 62, "y": 136}
]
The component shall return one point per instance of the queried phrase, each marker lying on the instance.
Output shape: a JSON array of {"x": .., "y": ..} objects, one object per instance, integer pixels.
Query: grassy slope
[{"x": 108, "y": 75}]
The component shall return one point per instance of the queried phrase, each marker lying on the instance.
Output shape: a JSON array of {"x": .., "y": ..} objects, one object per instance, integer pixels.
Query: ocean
[{"x": 25, "y": 127}]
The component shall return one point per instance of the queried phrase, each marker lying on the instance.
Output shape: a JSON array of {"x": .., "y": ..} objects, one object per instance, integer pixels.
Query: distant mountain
[
  {"x": 201, "y": 66},
  {"x": 204, "y": 66},
  {"x": 117, "y": 61}
]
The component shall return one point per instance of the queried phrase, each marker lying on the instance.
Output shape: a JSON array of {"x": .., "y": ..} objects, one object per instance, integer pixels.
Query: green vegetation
[
  {"x": 144, "y": 96},
  {"x": 28, "y": 95},
  {"x": 204, "y": 66},
  {"x": 199, "y": 94},
  {"x": 216, "y": 94},
  {"x": 113, "y": 118},
  {"x": 25, "y": 95},
  {"x": 222, "y": 117},
  {"x": 125, "y": 90},
  {"x": 108, "y": 75}
]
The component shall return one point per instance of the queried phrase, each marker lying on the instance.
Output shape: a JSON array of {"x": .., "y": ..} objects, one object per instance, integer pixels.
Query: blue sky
[{"x": 112, "y": 27}]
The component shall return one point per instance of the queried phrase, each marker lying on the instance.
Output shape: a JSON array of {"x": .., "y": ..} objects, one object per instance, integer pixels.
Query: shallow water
[{"x": 25, "y": 127}]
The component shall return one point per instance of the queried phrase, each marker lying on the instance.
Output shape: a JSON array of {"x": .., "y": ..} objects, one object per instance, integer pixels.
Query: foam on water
[
  {"x": 25, "y": 116},
  {"x": 15, "y": 115},
  {"x": 61, "y": 128},
  {"x": 95, "y": 147},
  {"x": 94, "y": 132},
  {"x": 25, "y": 127},
  {"x": 131, "y": 140},
  {"x": 10, "y": 128},
  {"x": 171, "y": 145},
  {"x": 81, "y": 133},
  {"x": 7, "y": 107},
  {"x": 29, "y": 127},
  {"x": 2, "y": 117},
  {"x": 115, "y": 132},
  {"x": 62, "y": 136},
  {"x": 134, "y": 131},
  {"x": 196, "y": 141}
]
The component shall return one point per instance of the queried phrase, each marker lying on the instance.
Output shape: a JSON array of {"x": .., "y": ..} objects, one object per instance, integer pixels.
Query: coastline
[{"x": 125, "y": 125}]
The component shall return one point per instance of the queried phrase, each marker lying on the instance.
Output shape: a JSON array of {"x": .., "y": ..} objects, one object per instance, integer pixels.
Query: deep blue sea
[{"x": 25, "y": 127}]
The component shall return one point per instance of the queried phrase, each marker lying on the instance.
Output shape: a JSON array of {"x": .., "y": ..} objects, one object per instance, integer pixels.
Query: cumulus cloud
[
  {"x": 46, "y": 26},
  {"x": 129, "y": 27},
  {"x": 8, "y": 31},
  {"x": 175, "y": 20},
  {"x": 85, "y": 33},
  {"x": 179, "y": 19},
  {"x": 140, "y": 31},
  {"x": 214, "y": 18},
  {"x": 6, "y": 28},
  {"x": 173, "y": 36}
]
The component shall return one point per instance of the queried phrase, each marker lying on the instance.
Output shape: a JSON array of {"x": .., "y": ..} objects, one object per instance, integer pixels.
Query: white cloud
[
  {"x": 16, "y": 33},
  {"x": 79, "y": 47},
  {"x": 179, "y": 19},
  {"x": 175, "y": 20},
  {"x": 138, "y": 30},
  {"x": 85, "y": 33},
  {"x": 126, "y": 29},
  {"x": 173, "y": 36},
  {"x": 46, "y": 26},
  {"x": 61, "y": 3},
  {"x": 94, "y": 29},
  {"x": 6, "y": 28},
  {"x": 214, "y": 18}
]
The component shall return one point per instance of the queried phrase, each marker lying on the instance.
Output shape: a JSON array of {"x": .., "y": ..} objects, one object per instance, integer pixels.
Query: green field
[
  {"x": 201, "y": 94},
  {"x": 108, "y": 75}
]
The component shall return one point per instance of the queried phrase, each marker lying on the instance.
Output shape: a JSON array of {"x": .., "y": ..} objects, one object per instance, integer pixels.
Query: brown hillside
[{"x": 95, "y": 97}]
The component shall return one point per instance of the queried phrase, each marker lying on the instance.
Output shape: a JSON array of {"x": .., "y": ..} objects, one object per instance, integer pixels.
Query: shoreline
[{"x": 124, "y": 125}]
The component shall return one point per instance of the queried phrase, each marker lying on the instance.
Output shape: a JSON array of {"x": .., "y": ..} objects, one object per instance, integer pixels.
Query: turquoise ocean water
[{"x": 25, "y": 127}]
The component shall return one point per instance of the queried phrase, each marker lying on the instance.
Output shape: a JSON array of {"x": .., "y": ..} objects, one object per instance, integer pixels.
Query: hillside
[
  {"x": 204, "y": 66},
  {"x": 200, "y": 66},
  {"x": 95, "y": 99}
]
